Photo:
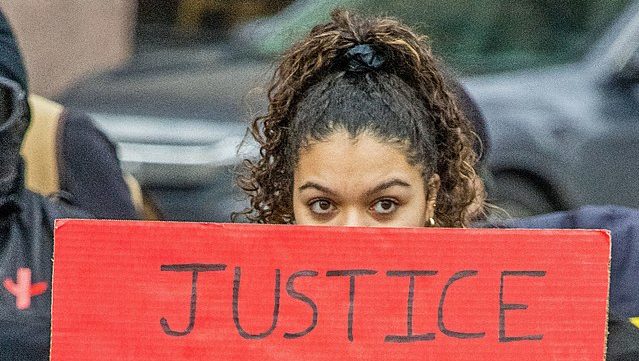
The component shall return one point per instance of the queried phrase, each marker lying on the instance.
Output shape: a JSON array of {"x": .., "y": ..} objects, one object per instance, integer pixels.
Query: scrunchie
[{"x": 363, "y": 58}]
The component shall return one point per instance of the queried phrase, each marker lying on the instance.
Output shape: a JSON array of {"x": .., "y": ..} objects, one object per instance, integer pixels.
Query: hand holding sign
[{"x": 194, "y": 291}]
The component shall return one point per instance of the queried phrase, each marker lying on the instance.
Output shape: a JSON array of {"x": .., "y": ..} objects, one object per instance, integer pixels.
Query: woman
[{"x": 362, "y": 130}]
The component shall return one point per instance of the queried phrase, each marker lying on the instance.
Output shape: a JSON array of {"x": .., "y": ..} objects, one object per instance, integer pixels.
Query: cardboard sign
[{"x": 186, "y": 291}]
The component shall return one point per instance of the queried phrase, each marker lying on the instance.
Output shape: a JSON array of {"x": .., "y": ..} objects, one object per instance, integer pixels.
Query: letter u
[{"x": 236, "y": 313}]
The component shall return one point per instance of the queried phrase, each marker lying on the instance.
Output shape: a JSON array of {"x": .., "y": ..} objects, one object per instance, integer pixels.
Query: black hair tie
[{"x": 363, "y": 58}]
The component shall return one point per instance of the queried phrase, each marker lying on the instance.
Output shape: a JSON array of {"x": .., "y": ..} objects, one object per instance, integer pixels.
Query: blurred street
[
  {"x": 179, "y": 83},
  {"x": 555, "y": 86}
]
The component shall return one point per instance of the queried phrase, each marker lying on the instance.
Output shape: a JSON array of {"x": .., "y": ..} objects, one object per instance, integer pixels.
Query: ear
[{"x": 431, "y": 196}]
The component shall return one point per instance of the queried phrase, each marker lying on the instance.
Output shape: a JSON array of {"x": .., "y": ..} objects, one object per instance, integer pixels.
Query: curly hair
[{"x": 407, "y": 100}]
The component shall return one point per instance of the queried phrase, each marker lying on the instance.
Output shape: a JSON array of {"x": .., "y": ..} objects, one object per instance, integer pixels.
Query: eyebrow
[
  {"x": 319, "y": 187},
  {"x": 388, "y": 184}
]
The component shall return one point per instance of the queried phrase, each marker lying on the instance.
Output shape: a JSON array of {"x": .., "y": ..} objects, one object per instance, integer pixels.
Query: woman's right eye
[{"x": 321, "y": 206}]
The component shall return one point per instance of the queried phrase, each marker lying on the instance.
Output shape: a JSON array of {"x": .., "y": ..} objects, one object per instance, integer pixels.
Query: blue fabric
[{"x": 623, "y": 224}]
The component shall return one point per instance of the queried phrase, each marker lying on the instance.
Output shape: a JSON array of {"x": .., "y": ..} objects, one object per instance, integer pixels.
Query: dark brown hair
[{"x": 402, "y": 99}]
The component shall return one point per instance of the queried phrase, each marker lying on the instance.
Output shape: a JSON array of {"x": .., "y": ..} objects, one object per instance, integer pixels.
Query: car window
[{"x": 474, "y": 36}]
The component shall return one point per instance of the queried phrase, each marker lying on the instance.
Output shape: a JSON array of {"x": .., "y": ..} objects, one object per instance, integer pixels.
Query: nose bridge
[{"x": 354, "y": 217}]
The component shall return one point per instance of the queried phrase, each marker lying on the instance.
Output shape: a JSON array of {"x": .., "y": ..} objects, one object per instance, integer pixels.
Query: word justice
[{"x": 352, "y": 275}]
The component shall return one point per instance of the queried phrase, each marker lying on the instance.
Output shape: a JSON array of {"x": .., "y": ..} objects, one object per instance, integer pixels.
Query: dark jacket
[
  {"x": 89, "y": 172},
  {"x": 26, "y": 242},
  {"x": 26, "y": 251}
]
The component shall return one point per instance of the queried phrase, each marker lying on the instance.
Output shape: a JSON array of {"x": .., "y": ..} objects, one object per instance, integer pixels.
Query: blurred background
[{"x": 175, "y": 82}]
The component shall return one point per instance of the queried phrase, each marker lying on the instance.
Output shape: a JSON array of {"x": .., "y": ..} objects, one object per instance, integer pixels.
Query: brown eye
[
  {"x": 384, "y": 206},
  {"x": 322, "y": 206}
]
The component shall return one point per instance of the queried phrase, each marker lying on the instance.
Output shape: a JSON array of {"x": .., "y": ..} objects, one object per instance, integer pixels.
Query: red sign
[{"x": 187, "y": 291}]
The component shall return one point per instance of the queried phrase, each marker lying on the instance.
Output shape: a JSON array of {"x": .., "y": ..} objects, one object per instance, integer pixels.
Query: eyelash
[
  {"x": 394, "y": 202},
  {"x": 316, "y": 201}
]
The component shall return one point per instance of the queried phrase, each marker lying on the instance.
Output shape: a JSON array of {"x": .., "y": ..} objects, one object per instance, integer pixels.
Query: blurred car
[
  {"x": 177, "y": 120},
  {"x": 567, "y": 135},
  {"x": 561, "y": 135}
]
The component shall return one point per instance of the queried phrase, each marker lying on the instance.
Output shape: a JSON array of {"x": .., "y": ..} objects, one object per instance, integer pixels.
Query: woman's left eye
[{"x": 384, "y": 206}]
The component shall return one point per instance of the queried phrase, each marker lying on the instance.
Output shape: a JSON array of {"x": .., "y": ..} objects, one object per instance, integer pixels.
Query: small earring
[{"x": 431, "y": 222}]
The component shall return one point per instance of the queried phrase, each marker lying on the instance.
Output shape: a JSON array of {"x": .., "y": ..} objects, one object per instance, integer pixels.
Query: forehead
[{"x": 345, "y": 162}]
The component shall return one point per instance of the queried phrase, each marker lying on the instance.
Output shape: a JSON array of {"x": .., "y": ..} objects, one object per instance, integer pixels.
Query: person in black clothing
[
  {"x": 26, "y": 240},
  {"x": 90, "y": 173}
]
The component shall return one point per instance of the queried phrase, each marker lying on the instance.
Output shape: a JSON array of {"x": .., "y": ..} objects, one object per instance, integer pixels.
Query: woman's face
[{"x": 361, "y": 181}]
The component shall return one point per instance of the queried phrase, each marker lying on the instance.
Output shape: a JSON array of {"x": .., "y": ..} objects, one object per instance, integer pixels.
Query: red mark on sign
[{"x": 23, "y": 289}]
